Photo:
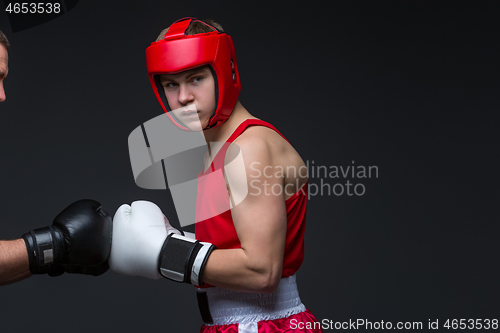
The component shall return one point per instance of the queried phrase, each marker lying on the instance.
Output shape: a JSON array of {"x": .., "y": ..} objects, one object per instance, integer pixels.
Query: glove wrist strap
[
  {"x": 43, "y": 254},
  {"x": 182, "y": 259}
]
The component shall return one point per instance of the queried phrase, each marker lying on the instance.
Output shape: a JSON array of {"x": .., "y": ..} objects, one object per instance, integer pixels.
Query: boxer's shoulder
[
  {"x": 262, "y": 139},
  {"x": 261, "y": 143}
]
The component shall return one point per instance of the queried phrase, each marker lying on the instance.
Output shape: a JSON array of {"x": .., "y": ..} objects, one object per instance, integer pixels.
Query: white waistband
[{"x": 230, "y": 307}]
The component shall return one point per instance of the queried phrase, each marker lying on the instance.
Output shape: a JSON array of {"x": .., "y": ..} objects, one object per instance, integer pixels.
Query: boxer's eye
[
  {"x": 197, "y": 79},
  {"x": 169, "y": 85}
]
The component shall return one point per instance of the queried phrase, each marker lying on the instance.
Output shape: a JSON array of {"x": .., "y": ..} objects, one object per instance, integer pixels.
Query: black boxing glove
[{"x": 79, "y": 241}]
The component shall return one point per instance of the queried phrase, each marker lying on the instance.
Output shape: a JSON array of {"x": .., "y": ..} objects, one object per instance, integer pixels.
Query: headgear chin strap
[{"x": 178, "y": 52}]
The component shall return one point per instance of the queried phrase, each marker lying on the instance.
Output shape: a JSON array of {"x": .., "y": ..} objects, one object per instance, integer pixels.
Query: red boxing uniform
[{"x": 231, "y": 311}]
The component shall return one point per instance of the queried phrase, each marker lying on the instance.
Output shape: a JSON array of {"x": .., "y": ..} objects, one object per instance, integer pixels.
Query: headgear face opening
[{"x": 178, "y": 52}]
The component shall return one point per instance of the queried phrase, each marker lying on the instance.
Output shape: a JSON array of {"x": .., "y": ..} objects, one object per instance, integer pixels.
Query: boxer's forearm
[
  {"x": 235, "y": 269},
  {"x": 14, "y": 265},
  {"x": 143, "y": 247}
]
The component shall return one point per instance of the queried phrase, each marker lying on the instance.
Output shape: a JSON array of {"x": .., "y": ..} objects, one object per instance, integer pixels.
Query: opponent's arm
[{"x": 14, "y": 264}]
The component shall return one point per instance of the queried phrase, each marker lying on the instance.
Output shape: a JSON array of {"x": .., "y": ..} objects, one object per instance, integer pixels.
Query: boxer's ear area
[{"x": 216, "y": 82}]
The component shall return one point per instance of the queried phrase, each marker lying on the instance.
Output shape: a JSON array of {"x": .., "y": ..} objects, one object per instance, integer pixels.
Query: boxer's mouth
[{"x": 189, "y": 113}]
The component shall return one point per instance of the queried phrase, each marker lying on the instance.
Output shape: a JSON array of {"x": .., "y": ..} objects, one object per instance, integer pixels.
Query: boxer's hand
[
  {"x": 144, "y": 244},
  {"x": 139, "y": 232},
  {"x": 79, "y": 241}
]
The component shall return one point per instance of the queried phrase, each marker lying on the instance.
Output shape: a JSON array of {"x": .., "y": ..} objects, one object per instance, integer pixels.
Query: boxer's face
[
  {"x": 195, "y": 87},
  {"x": 4, "y": 69}
]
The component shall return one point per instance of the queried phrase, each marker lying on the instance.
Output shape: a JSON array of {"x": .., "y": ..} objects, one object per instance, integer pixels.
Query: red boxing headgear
[{"x": 179, "y": 52}]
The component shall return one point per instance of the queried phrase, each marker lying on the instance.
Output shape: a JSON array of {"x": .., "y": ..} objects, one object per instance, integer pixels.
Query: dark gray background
[{"x": 411, "y": 87}]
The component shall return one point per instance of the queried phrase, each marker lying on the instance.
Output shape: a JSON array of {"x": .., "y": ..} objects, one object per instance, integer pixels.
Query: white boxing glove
[
  {"x": 139, "y": 232},
  {"x": 189, "y": 234}
]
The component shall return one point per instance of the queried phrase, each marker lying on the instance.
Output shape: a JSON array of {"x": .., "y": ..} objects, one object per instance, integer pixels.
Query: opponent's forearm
[
  {"x": 14, "y": 264},
  {"x": 236, "y": 269}
]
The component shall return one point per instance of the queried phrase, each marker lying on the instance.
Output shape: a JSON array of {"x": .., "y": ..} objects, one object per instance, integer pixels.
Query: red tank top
[{"x": 213, "y": 201}]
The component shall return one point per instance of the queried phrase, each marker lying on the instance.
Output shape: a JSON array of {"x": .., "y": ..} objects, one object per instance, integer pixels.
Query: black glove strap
[
  {"x": 43, "y": 252},
  {"x": 177, "y": 256}
]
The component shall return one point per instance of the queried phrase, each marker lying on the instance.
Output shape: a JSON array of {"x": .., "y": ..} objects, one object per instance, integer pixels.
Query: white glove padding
[
  {"x": 170, "y": 229},
  {"x": 188, "y": 234},
  {"x": 139, "y": 232}
]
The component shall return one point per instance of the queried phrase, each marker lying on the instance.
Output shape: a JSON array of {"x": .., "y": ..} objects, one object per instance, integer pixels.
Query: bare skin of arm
[
  {"x": 14, "y": 265},
  {"x": 260, "y": 219}
]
